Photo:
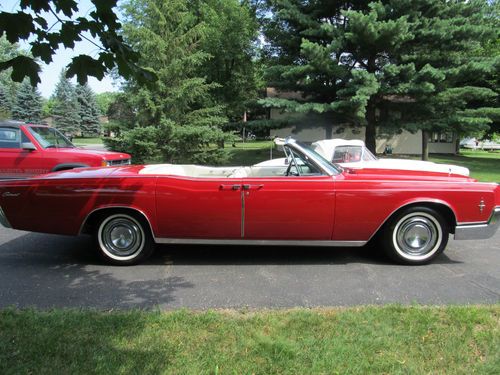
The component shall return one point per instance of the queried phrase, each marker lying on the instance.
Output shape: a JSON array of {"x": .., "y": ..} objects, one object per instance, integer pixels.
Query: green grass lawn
[
  {"x": 251, "y": 152},
  {"x": 87, "y": 141},
  {"x": 483, "y": 165},
  {"x": 366, "y": 340}
]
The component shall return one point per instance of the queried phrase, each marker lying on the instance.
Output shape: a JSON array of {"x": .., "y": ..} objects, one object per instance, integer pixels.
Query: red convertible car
[{"x": 308, "y": 202}]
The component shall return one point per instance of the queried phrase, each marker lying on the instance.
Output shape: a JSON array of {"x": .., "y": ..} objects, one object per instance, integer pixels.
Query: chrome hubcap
[
  {"x": 121, "y": 237},
  {"x": 417, "y": 235}
]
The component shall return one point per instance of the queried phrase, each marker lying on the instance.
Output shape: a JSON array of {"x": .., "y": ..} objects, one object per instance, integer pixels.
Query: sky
[{"x": 62, "y": 57}]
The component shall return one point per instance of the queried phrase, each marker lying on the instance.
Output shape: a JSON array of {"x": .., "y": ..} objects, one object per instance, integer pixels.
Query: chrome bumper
[
  {"x": 479, "y": 231},
  {"x": 3, "y": 219}
]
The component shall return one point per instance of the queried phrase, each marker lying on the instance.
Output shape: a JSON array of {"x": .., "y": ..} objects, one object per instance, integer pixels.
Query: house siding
[{"x": 312, "y": 127}]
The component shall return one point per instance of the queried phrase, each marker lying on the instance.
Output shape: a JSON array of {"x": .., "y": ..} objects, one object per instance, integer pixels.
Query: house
[{"x": 310, "y": 127}]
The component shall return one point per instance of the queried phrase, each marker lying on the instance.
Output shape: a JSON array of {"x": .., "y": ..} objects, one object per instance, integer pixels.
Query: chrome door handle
[
  {"x": 252, "y": 187},
  {"x": 230, "y": 187}
]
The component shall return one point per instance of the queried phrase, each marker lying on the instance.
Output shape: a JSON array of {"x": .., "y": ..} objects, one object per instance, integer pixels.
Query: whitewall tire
[
  {"x": 416, "y": 235},
  {"x": 123, "y": 239}
]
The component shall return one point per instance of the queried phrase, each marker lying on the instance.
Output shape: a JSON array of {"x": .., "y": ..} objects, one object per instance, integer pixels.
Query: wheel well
[
  {"x": 64, "y": 167},
  {"x": 93, "y": 219},
  {"x": 441, "y": 208}
]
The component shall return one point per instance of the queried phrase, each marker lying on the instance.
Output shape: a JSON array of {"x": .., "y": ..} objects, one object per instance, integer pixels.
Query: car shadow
[
  {"x": 273, "y": 255},
  {"x": 48, "y": 271}
]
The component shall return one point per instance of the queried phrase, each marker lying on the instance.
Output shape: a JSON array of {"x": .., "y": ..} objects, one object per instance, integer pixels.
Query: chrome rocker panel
[
  {"x": 202, "y": 241},
  {"x": 479, "y": 231}
]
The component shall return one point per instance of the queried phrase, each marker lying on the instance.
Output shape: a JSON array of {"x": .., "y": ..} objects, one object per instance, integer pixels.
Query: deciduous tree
[{"x": 68, "y": 25}]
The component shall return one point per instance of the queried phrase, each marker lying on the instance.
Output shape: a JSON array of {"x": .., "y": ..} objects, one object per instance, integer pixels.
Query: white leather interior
[{"x": 190, "y": 170}]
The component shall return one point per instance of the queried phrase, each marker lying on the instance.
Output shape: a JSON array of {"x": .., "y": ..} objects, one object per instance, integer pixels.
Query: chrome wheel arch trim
[
  {"x": 315, "y": 243},
  {"x": 410, "y": 203},
  {"x": 117, "y": 207}
]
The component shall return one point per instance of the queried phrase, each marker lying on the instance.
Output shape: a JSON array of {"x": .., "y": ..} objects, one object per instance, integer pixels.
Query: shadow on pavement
[{"x": 58, "y": 271}]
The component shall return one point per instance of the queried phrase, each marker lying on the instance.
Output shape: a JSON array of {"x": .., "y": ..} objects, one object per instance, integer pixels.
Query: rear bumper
[
  {"x": 479, "y": 231},
  {"x": 3, "y": 219}
]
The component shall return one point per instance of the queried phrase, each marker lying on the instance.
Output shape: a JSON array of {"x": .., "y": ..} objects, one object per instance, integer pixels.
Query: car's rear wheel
[
  {"x": 123, "y": 239},
  {"x": 415, "y": 235}
]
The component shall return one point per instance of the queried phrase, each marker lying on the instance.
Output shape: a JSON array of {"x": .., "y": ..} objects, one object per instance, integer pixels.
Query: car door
[
  {"x": 15, "y": 162},
  {"x": 208, "y": 208},
  {"x": 297, "y": 206}
]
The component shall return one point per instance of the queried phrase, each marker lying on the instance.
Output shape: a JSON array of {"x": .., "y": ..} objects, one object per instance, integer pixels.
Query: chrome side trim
[
  {"x": 202, "y": 241},
  {"x": 119, "y": 207},
  {"x": 3, "y": 219},
  {"x": 479, "y": 231}
]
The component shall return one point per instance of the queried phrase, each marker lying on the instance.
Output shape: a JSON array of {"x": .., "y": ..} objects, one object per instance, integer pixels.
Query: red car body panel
[
  {"x": 345, "y": 207},
  {"x": 19, "y": 162}
]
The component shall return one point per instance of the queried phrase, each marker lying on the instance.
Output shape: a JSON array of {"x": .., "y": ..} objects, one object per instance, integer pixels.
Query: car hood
[{"x": 107, "y": 155}]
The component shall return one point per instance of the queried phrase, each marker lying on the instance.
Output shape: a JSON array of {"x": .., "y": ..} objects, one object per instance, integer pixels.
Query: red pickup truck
[{"x": 29, "y": 149}]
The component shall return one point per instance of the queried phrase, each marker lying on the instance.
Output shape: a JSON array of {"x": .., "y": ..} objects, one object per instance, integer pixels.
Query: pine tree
[
  {"x": 177, "y": 117},
  {"x": 387, "y": 64},
  {"x": 88, "y": 111},
  {"x": 65, "y": 108},
  {"x": 5, "y": 104},
  {"x": 28, "y": 105}
]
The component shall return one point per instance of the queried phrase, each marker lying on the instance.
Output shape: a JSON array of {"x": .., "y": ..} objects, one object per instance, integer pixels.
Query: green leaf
[
  {"x": 68, "y": 7},
  {"x": 36, "y": 5},
  {"x": 83, "y": 66},
  {"x": 22, "y": 67},
  {"x": 43, "y": 51},
  {"x": 69, "y": 34},
  {"x": 16, "y": 26}
]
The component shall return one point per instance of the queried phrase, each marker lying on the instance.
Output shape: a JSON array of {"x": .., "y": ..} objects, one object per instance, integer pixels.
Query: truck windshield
[{"x": 49, "y": 137}]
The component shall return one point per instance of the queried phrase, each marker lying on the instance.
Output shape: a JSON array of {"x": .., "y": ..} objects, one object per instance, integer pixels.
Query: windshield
[
  {"x": 352, "y": 154},
  {"x": 49, "y": 137},
  {"x": 319, "y": 159}
]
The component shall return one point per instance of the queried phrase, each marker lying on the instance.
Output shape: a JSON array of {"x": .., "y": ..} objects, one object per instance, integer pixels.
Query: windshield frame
[
  {"x": 321, "y": 163},
  {"x": 42, "y": 141}
]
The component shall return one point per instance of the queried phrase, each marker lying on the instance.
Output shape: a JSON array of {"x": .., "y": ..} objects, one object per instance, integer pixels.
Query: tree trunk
[
  {"x": 371, "y": 131},
  {"x": 425, "y": 145}
]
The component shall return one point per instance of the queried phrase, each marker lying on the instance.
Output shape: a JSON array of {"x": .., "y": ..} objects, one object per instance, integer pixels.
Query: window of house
[{"x": 441, "y": 137}]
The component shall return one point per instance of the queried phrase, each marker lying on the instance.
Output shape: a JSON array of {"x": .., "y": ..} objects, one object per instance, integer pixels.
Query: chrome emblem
[
  {"x": 9, "y": 194},
  {"x": 481, "y": 205}
]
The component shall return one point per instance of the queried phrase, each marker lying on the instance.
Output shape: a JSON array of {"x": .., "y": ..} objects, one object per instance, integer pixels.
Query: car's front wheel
[
  {"x": 123, "y": 239},
  {"x": 415, "y": 236}
]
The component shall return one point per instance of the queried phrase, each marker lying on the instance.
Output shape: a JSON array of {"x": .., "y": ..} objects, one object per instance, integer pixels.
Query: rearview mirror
[{"x": 28, "y": 146}]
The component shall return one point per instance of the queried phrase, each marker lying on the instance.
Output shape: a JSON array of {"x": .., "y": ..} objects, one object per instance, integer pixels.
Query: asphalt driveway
[{"x": 47, "y": 271}]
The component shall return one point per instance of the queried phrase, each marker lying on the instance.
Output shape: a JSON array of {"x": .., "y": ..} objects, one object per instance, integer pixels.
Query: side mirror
[{"x": 28, "y": 146}]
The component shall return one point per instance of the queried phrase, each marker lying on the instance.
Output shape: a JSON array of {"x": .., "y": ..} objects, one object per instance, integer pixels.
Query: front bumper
[
  {"x": 3, "y": 219},
  {"x": 479, "y": 231}
]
